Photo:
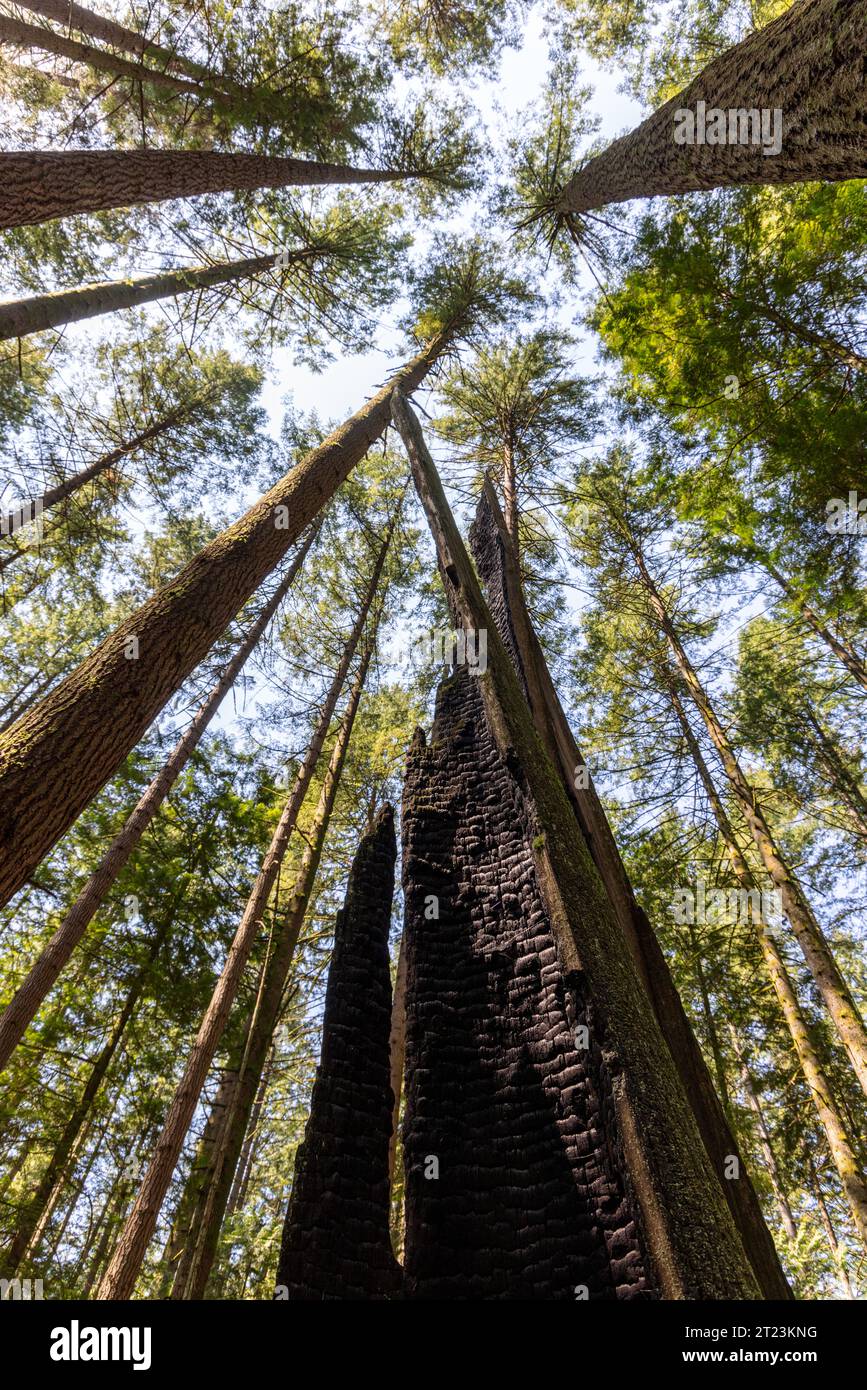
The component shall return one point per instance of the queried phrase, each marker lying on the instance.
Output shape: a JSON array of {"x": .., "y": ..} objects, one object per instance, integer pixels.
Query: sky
[{"x": 339, "y": 390}]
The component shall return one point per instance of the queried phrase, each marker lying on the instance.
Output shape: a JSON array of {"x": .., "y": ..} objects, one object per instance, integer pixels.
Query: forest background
[{"x": 671, "y": 404}]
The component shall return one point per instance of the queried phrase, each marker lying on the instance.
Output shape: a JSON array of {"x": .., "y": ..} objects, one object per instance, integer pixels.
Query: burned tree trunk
[
  {"x": 696, "y": 1250},
  {"x": 497, "y": 565},
  {"x": 517, "y": 1186},
  {"x": 336, "y": 1241}
]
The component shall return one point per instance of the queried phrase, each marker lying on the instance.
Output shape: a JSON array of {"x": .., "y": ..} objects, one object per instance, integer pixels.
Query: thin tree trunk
[
  {"x": 70, "y": 486},
  {"x": 189, "y": 1209},
  {"x": 269, "y": 1001},
  {"x": 710, "y": 1026},
  {"x": 120, "y": 1277},
  {"x": 692, "y": 1238},
  {"x": 842, "y": 1151},
  {"x": 831, "y": 1233},
  {"x": 39, "y": 312},
  {"x": 23, "y": 1006},
  {"x": 832, "y": 346},
  {"x": 808, "y": 64},
  {"x": 767, "y": 1148},
  {"x": 58, "y": 756},
  {"x": 637, "y": 930},
  {"x": 510, "y": 500},
  {"x": 96, "y": 26},
  {"x": 238, "y": 1194},
  {"x": 29, "y": 36},
  {"x": 844, "y": 651},
  {"x": 397, "y": 1052},
  {"x": 34, "y": 1220},
  {"x": 839, "y": 776},
  {"x": 817, "y": 953},
  {"x": 37, "y": 186}
]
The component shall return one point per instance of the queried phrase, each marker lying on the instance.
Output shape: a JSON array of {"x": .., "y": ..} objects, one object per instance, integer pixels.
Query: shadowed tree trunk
[
  {"x": 808, "y": 64},
  {"x": 842, "y": 1152},
  {"x": 767, "y": 1148},
  {"x": 119, "y": 1279},
  {"x": 498, "y": 567},
  {"x": 397, "y": 1053},
  {"x": 336, "y": 1242},
  {"x": 58, "y": 756},
  {"x": 23, "y": 35},
  {"x": 37, "y": 186},
  {"x": 694, "y": 1244},
  {"x": 268, "y": 1004},
  {"x": 23, "y": 1006},
  {"x": 39, "y": 312},
  {"x": 817, "y": 953},
  {"x": 96, "y": 26}
]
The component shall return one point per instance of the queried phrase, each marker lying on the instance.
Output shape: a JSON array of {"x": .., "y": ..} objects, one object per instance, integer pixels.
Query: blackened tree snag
[
  {"x": 517, "y": 1184},
  {"x": 497, "y": 563},
  {"x": 336, "y": 1241},
  {"x": 696, "y": 1249}
]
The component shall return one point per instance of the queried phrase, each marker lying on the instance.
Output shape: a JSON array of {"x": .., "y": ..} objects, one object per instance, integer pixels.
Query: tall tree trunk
[
  {"x": 189, "y": 1209},
  {"x": 397, "y": 1051},
  {"x": 238, "y": 1194},
  {"x": 808, "y": 64},
  {"x": 96, "y": 26},
  {"x": 39, "y": 312},
  {"x": 844, "y": 651},
  {"x": 817, "y": 953},
  {"x": 767, "y": 1148},
  {"x": 119, "y": 1279},
  {"x": 510, "y": 500},
  {"x": 29, "y": 36},
  {"x": 34, "y": 1219},
  {"x": 710, "y": 1027},
  {"x": 70, "y": 486},
  {"x": 55, "y": 759},
  {"x": 842, "y": 1151},
  {"x": 42, "y": 184},
  {"x": 694, "y": 1243},
  {"x": 23, "y": 1006},
  {"x": 269, "y": 1001},
  {"x": 828, "y": 1224},
  {"x": 823, "y": 341},
  {"x": 637, "y": 930},
  {"x": 839, "y": 775}
]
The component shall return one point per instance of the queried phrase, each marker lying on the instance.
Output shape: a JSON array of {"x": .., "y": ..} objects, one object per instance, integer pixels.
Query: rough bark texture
[
  {"x": 696, "y": 1249},
  {"x": 810, "y": 63},
  {"x": 37, "y": 186},
  {"x": 497, "y": 566},
  {"x": 23, "y": 35},
  {"x": 96, "y": 26},
  {"x": 58, "y": 755},
  {"x": 336, "y": 1241},
  {"x": 39, "y": 312},
  {"x": 532, "y": 1197}
]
